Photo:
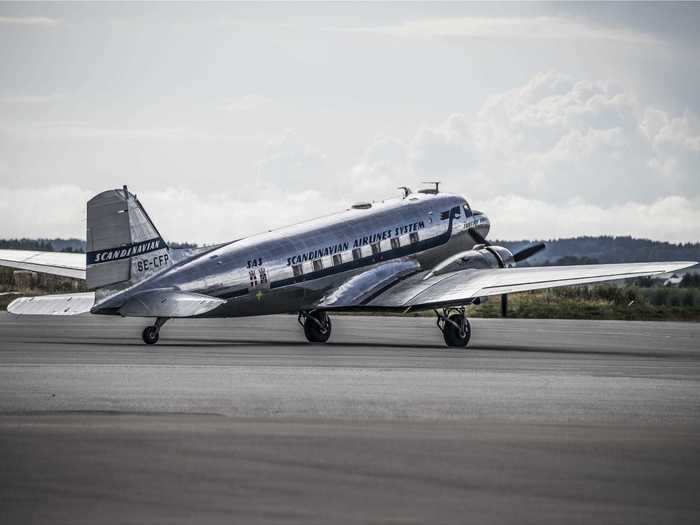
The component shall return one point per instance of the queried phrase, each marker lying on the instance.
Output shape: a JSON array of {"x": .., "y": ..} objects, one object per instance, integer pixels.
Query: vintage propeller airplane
[{"x": 424, "y": 251}]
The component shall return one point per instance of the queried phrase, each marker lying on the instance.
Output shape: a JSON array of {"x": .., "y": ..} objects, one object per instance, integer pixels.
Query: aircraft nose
[{"x": 482, "y": 224}]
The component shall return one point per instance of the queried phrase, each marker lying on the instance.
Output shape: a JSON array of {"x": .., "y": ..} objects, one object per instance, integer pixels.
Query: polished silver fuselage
[{"x": 293, "y": 268}]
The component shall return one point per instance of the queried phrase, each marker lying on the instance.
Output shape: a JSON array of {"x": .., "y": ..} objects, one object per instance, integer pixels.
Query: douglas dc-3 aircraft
[{"x": 425, "y": 251}]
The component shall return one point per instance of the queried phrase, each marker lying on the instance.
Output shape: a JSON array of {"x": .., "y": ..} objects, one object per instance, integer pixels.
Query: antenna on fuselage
[
  {"x": 406, "y": 191},
  {"x": 433, "y": 191}
]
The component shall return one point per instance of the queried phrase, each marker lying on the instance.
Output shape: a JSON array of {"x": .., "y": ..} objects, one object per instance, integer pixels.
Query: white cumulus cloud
[
  {"x": 557, "y": 156},
  {"x": 673, "y": 219},
  {"x": 571, "y": 155},
  {"x": 555, "y": 138}
]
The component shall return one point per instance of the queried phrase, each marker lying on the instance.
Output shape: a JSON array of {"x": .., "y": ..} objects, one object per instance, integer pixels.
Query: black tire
[
  {"x": 315, "y": 333},
  {"x": 150, "y": 335},
  {"x": 452, "y": 334}
]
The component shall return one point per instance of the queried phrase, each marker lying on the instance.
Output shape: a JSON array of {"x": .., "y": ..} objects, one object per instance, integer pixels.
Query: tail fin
[{"x": 123, "y": 245}]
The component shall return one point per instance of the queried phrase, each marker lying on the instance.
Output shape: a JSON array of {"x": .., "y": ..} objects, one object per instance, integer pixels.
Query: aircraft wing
[
  {"x": 54, "y": 263},
  {"x": 460, "y": 287}
]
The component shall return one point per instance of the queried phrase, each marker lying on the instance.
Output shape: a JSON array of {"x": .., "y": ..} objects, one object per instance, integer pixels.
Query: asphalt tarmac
[{"x": 241, "y": 421}]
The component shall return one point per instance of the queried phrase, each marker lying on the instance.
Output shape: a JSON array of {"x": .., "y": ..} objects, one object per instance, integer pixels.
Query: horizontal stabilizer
[
  {"x": 53, "y": 263},
  {"x": 168, "y": 303},
  {"x": 62, "y": 304}
]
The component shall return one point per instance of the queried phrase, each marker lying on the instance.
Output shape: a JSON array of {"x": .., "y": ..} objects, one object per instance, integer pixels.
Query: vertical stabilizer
[{"x": 123, "y": 245}]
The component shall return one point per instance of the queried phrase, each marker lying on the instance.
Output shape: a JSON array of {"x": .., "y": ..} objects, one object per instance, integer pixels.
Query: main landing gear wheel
[
  {"x": 317, "y": 326},
  {"x": 455, "y": 327},
  {"x": 151, "y": 334}
]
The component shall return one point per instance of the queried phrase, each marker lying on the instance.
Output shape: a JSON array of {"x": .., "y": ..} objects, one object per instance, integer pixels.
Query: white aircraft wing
[
  {"x": 54, "y": 263},
  {"x": 60, "y": 304},
  {"x": 461, "y": 287}
]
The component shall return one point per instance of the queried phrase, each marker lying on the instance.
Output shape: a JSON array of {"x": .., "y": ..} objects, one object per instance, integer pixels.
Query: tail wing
[
  {"x": 152, "y": 303},
  {"x": 123, "y": 248},
  {"x": 123, "y": 245},
  {"x": 61, "y": 304}
]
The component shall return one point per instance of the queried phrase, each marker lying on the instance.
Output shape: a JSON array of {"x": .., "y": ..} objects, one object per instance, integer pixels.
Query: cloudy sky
[{"x": 229, "y": 119}]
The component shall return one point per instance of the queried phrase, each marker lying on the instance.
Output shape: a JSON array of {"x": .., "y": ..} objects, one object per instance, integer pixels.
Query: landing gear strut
[
  {"x": 151, "y": 333},
  {"x": 454, "y": 326},
  {"x": 317, "y": 325}
]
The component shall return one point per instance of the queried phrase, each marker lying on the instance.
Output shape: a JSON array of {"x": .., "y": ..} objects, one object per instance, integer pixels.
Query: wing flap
[
  {"x": 465, "y": 285},
  {"x": 53, "y": 263},
  {"x": 60, "y": 304}
]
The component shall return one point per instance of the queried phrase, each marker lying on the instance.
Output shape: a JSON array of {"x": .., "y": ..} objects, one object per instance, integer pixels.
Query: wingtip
[
  {"x": 12, "y": 307},
  {"x": 681, "y": 265}
]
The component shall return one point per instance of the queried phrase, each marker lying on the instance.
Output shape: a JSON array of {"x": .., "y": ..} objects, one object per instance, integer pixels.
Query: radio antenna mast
[{"x": 437, "y": 186}]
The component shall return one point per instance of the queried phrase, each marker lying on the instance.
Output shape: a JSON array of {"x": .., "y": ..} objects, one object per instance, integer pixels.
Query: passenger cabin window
[
  {"x": 395, "y": 243},
  {"x": 356, "y": 254},
  {"x": 318, "y": 265},
  {"x": 297, "y": 271},
  {"x": 376, "y": 249},
  {"x": 413, "y": 237},
  {"x": 337, "y": 259}
]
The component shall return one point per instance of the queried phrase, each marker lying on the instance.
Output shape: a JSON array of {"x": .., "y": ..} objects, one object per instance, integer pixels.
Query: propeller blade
[
  {"x": 477, "y": 237},
  {"x": 504, "y": 305},
  {"x": 528, "y": 252}
]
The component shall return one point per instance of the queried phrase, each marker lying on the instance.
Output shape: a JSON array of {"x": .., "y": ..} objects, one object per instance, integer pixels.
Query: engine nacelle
[{"x": 478, "y": 258}]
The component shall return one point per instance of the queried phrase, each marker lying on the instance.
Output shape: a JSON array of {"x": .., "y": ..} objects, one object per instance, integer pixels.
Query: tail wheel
[
  {"x": 150, "y": 335},
  {"x": 317, "y": 327}
]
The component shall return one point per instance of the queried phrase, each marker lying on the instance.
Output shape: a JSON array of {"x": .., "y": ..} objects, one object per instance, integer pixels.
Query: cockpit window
[{"x": 467, "y": 210}]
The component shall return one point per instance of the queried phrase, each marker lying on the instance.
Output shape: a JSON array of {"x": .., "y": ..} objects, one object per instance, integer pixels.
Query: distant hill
[
  {"x": 61, "y": 245},
  {"x": 577, "y": 250},
  {"x": 44, "y": 245},
  {"x": 607, "y": 250}
]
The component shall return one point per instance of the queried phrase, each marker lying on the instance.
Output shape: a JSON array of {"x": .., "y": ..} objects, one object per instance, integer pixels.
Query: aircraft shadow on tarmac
[
  {"x": 221, "y": 343},
  {"x": 199, "y": 343},
  {"x": 573, "y": 351}
]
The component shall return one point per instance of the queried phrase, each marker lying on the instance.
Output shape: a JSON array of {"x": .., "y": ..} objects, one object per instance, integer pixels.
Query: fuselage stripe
[{"x": 373, "y": 259}]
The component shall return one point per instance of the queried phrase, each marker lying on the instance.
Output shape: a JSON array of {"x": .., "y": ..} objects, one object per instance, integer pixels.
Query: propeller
[
  {"x": 517, "y": 257},
  {"x": 528, "y": 252},
  {"x": 477, "y": 237}
]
